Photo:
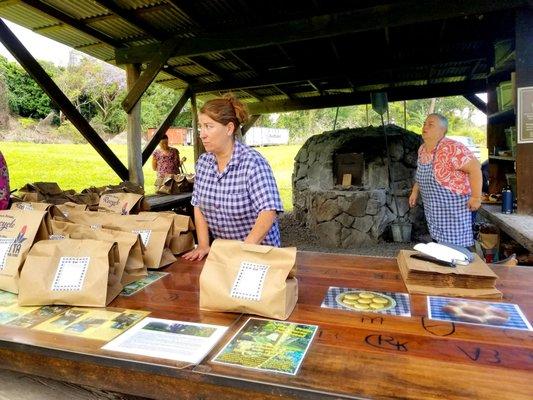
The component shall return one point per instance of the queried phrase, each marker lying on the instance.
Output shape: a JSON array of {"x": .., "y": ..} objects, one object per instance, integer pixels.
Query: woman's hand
[
  {"x": 413, "y": 198},
  {"x": 197, "y": 254},
  {"x": 474, "y": 203}
]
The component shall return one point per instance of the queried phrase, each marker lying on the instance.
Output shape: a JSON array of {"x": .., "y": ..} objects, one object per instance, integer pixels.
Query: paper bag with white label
[
  {"x": 153, "y": 230},
  {"x": 75, "y": 272},
  {"x": 122, "y": 203},
  {"x": 52, "y": 211},
  {"x": 69, "y": 206},
  {"x": 181, "y": 236},
  {"x": 18, "y": 231},
  {"x": 130, "y": 247},
  {"x": 252, "y": 279}
]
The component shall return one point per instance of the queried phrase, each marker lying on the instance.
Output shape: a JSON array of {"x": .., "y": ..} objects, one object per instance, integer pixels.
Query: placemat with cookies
[{"x": 363, "y": 300}]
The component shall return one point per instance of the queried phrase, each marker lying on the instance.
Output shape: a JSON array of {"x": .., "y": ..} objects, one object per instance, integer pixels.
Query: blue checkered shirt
[{"x": 231, "y": 200}]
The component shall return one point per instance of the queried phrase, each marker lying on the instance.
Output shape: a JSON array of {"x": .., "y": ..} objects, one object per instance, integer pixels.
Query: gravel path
[{"x": 295, "y": 233}]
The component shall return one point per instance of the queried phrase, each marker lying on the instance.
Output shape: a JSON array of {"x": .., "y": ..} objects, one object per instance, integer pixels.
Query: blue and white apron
[{"x": 447, "y": 214}]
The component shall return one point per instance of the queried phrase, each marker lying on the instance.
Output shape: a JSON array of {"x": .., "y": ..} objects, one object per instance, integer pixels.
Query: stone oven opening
[
  {"x": 349, "y": 168},
  {"x": 341, "y": 186}
]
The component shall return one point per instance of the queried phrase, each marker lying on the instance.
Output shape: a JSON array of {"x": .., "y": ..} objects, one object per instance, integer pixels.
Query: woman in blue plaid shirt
[{"x": 235, "y": 194}]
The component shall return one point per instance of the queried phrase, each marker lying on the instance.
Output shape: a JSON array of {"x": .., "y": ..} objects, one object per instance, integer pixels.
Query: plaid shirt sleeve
[{"x": 262, "y": 188}]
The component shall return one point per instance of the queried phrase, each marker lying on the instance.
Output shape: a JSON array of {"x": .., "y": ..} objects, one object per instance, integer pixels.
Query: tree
[
  {"x": 25, "y": 96},
  {"x": 96, "y": 89}
]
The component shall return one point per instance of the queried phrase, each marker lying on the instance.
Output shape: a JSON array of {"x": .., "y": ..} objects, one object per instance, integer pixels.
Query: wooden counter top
[{"x": 354, "y": 355}]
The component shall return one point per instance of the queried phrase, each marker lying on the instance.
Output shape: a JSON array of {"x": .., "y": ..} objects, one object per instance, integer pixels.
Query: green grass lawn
[{"x": 78, "y": 166}]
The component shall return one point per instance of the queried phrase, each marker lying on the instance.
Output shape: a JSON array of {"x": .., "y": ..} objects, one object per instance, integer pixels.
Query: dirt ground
[{"x": 294, "y": 233}]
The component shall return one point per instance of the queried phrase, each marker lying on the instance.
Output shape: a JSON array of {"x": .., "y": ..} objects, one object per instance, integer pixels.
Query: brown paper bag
[
  {"x": 18, "y": 231},
  {"x": 44, "y": 188},
  {"x": 69, "y": 206},
  {"x": 52, "y": 211},
  {"x": 130, "y": 248},
  {"x": 175, "y": 184},
  {"x": 90, "y": 199},
  {"x": 245, "y": 278},
  {"x": 121, "y": 203},
  {"x": 181, "y": 236},
  {"x": 153, "y": 230},
  {"x": 75, "y": 272}
]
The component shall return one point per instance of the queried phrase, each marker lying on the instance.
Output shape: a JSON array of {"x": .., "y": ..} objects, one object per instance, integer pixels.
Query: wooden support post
[
  {"x": 524, "y": 78},
  {"x": 250, "y": 123},
  {"x": 161, "y": 130},
  {"x": 137, "y": 90},
  {"x": 135, "y": 166},
  {"x": 476, "y": 102},
  {"x": 32, "y": 67},
  {"x": 197, "y": 143}
]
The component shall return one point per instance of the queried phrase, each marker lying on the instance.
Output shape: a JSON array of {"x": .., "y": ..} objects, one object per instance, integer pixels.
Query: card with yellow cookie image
[{"x": 362, "y": 300}]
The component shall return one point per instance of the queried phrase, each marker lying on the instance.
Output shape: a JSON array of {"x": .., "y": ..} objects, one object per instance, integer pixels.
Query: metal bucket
[{"x": 401, "y": 231}]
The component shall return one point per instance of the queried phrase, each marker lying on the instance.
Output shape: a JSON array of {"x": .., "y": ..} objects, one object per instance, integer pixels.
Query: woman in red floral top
[
  {"x": 4, "y": 184},
  {"x": 166, "y": 160},
  {"x": 449, "y": 179}
]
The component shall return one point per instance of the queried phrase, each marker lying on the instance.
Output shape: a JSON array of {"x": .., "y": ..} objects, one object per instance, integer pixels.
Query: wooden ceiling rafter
[
  {"x": 71, "y": 21},
  {"x": 395, "y": 94},
  {"x": 328, "y": 25}
]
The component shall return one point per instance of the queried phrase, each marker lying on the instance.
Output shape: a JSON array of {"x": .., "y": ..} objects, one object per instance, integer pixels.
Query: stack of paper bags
[{"x": 423, "y": 277}]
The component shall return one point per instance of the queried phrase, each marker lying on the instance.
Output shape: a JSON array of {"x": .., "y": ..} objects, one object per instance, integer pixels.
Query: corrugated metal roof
[
  {"x": 117, "y": 26},
  {"x": 78, "y": 9},
  {"x": 26, "y": 16},
  {"x": 456, "y": 50}
]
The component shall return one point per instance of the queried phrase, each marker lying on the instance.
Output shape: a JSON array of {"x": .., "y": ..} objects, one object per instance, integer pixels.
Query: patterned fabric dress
[
  {"x": 4, "y": 184},
  {"x": 167, "y": 163},
  {"x": 231, "y": 200},
  {"x": 445, "y": 192}
]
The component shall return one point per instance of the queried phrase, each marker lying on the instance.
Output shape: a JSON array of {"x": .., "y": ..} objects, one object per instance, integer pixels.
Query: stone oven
[{"x": 341, "y": 184}]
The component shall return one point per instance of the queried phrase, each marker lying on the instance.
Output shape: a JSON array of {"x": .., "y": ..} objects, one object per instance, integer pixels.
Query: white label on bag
[
  {"x": 25, "y": 206},
  {"x": 56, "y": 237},
  {"x": 145, "y": 235},
  {"x": 5, "y": 244},
  {"x": 70, "y": 273},
  {"x": 96, "y": 226},
  {"x": 249, "y": 282}
]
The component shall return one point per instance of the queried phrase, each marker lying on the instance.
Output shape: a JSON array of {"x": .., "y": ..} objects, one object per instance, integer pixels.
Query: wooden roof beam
[
  {"x": 147, "y": 77},
  {"x": 289, "y": 95},
  {"x": 330, "y": 25},
  {"x": 152, "y": 144},
  {"x": 34, "y": 69},
  {"x": 183, "y": 7},
  {"x": 131, "y": 18},
  {"x": 394, "y": 94},
  {"x": 339, "y": 63},
  {"x": 355, "y": 77},
  {"x": 73, "y": 22},
  {"x": 315, "y": 87},
  {"x": 476, "y": 102},
  {"x": 221, "y": 73},
  {"x": 251, "y": 121}
]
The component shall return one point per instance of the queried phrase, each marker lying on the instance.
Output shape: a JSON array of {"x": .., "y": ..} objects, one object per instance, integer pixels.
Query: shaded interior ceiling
[{"x": 287, "y": 54}]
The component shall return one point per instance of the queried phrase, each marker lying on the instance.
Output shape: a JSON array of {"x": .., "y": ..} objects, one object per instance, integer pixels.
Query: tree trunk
[{"x": 432, "y": 106}]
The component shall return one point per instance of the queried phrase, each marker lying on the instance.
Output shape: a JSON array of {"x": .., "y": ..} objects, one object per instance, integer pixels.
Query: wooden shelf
[
  {"x": 502, "y": 117},
  {"x": 502, "y": 158}
]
